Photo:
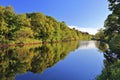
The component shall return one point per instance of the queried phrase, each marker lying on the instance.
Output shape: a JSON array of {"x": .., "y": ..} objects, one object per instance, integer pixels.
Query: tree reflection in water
[
  {"x": 111, "y": 70},
  {"x": 36, "y": 58}
]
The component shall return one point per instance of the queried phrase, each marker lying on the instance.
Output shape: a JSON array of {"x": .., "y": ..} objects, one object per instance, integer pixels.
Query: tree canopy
[
  {"x": 111, "y": 34},
  {"x": 20, "y": 27},
  {"x": 112, "y": 23}
]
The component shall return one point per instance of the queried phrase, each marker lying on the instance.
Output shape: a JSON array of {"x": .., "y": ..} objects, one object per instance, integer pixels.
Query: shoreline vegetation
[
  {"x": 32, "y": 28},
  {"x": 32, "y": 43},
  {"x": 111, "y": 34},
  {"x": 111, "y": 31}
]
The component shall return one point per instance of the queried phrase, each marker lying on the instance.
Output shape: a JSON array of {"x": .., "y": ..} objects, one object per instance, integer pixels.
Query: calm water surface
[{"x": 62, "y": 61}]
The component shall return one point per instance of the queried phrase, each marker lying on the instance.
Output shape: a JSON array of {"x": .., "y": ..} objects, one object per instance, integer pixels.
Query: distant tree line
[{"x": 30, "y": 27}]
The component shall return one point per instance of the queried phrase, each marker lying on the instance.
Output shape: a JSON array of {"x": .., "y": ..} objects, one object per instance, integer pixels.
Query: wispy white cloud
[{"x": 83, "y": 29}]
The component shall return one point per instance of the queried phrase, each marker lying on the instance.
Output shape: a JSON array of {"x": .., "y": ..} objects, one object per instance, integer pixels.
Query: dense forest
[
  {"x": 34, "y": 27},
  {"x": 111, "y": 35}
]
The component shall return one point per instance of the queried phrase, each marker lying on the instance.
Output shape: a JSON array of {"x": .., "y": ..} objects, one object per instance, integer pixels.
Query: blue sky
[{"x": 83, "y": 14}]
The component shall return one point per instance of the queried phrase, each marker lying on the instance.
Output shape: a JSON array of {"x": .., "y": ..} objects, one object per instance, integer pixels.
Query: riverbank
[{"x": 32, "y": 42}]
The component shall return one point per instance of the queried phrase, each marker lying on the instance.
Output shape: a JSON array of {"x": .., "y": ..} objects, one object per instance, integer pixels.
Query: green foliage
[
  {"x": 23, "y": 27},
  {"x": 112, "y": 23},
  {"x": 100, "y": 34},
  {"x": 23, "y": 33},
  {"x": 115, "y": 44},
  {"x": 112, "y": 26}
]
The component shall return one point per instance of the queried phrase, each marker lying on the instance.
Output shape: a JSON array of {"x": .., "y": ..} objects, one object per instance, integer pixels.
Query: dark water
[{"x": 61, "y": 61}]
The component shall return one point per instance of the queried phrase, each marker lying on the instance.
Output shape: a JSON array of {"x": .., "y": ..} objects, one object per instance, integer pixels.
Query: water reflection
[
  {"x": 15, "y": 60},
  {"x": 60, "y": 61},
  {"x": 111, "y": 63},
  {"x": 79, "y": 64},
  {"x": 87, "y": 45}
]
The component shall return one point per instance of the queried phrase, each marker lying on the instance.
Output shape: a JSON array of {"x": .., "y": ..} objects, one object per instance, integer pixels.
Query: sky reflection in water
[{"x": 84, "y": 63}]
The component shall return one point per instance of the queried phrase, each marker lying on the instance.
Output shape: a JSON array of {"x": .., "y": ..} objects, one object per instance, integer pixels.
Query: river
[{"x": 76, "y": 60}]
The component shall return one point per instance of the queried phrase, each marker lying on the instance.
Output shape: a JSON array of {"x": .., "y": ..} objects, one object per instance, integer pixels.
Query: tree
[
  {"x": 23, "y": 34},
  {"x": 100, "y": 34},
  {"x": 112, "y": 23}
]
